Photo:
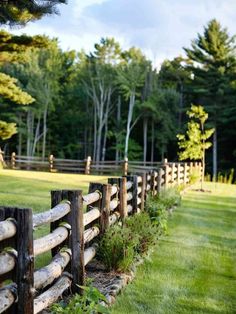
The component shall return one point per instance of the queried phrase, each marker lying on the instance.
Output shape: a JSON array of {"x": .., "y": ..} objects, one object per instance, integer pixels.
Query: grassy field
[
  {"x": 193, "y": 268},
  {"x": 31, "y": 189}
]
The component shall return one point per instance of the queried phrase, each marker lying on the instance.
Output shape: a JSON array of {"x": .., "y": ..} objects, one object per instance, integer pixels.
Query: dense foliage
[
  {"x": 19, "y": 12},
  {"x": 112, "y": 103},
  {"x": 121, "y": 244}
]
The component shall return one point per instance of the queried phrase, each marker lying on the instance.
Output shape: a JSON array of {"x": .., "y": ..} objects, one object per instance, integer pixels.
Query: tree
[
  {"x": 194, "y": 143},
  {"x": 20, "y": 12},
  {"x": 131, "y": 76},
  {"x": 213, "y": 66},
  {"x": 99, "y": 83},
  {"x": 12, "y": 49}
]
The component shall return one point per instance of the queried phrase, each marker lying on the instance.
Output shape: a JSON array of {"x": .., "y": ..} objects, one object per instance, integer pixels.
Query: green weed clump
[
  {"x": 122, "y": 244},
  {"x": 142, "y": 226},
  {"x": 159, "y": 205},
  {"x": 87, "y": 303},
  {"x": 117, "y": 248}
]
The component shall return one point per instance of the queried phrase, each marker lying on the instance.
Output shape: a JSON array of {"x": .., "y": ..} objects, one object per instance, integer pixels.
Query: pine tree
[
  {"x": 20, "y": 12},
  {"x": 13, "y": 48},
  {"x": 213, "y": 67}
]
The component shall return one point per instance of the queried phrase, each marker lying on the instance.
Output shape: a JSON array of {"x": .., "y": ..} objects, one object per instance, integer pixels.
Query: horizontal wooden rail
[
  {"x": 113, "y": 218},
  {"x": 91, "y": 233},
  {"x": 90, "y": 216},
  {"x": 52, "y": 294},
  {"x": 7, "y": 229},
  {"x": 7, "y": 297},
  {"x": 91, "y": 198},
  {"x": 89, "y": 254},
  {"x": 129, "y": 196},
  {"x": 114, "y": 189},
  {"x": 7, "y": 261},
  {"x": 50, "y": 241},
  {"x": 46, "y": 275},
  {"x": 129, "y": 185},
  {"x": 51, "y": 215},
  {"x": 113, "y": 204}
]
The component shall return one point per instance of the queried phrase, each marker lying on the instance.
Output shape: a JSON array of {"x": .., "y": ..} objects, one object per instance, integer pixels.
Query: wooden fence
[
  {"x": 76, "y": 221},
  {"x": 86, "y": 166}
]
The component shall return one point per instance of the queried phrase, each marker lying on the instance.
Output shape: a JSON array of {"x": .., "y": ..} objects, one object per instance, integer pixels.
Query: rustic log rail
[
  {"x": 87, "y": 166},
  {"x": 73, "y": 235}
]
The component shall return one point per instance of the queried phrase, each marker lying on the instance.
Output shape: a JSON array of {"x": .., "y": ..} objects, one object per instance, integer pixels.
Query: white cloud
[{"x": 160, "y": 28}]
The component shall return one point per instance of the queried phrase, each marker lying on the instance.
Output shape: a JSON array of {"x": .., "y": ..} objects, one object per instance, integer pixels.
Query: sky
[{"x": 161, "y": 28}]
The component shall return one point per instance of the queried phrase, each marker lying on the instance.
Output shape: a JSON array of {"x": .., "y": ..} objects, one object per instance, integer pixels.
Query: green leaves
[
  {"x": 7, "y": 130},
  {"x": 193, "y": 144},
  {"x": 22, "y": 11},
  {"x": 9, "y": 90}
]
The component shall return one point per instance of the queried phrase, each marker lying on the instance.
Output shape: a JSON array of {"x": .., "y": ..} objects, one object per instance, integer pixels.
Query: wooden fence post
[
  {"x": 178, "y": 173},
  {"x": 105, "y": 209},
  {"x": 173, "y": 176},
  {"x": 154, "y": 177},
  {"x": 134, "y": 190},
  {"x": 25, "y": 261},
  {"x": 144, "y": 191},
  {"x": 75, "y": 218},
  {"x": 23, "y": 273},
  {"x": 2, "y": 162},
  {"x": 166, "y": 174},
  {"x": 88, "y": 165},
  {"x": 159, "y": 180},
  {"x": 122, "y": 195},
  {"x": 185, "y": 173},
  {"x": 13, "y": 160},
  {"x": 51, "y": 159},
  {"x": 125, "y": 167},
  {"x": 76, "y": 239}
]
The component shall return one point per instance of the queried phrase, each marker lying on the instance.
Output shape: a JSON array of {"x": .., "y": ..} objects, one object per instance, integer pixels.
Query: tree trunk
[
  {"x": 104, "y": 141},
  {"x": 45, "y": 113},
  {"x": 215, "y": 155},
  {"x": 153, "y": 141},
  {"x": 130, "y": 115},
  {"x": 118, "y": 117},
  {"x": 20, "y": 135},
  {"x": 145, "y": 125},
  {"x": 36, "y": 136},
  {"x": 180, "y": 105},
  {"x": 94, "y": 133},
  {"x": 30, "y": 130}
]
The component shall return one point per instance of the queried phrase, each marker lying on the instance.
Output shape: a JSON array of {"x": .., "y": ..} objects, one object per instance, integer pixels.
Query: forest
[{"x": 113, "y": 103}]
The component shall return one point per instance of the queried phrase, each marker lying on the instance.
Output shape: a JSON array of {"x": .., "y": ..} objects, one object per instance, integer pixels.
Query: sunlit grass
[
  {"x": 192, "y": 269},
  {"x": 31, "y": 189}
]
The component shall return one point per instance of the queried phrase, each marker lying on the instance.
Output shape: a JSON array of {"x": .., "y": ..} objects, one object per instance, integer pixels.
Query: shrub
[
  {"x": 146, "y": 231},
  {"x": 87, "y": 303},
  {"x": 158, "y": 206},
  {"x": 117, "y": 248},
  {"x": 169, "y": 197}
]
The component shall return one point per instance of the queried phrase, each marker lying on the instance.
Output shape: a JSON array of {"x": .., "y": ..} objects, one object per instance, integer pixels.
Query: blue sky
[{"x": 159, "y": 27}]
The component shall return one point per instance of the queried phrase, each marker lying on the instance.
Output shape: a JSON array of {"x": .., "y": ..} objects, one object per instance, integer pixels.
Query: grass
[
  {"x": 192, "y": 269},
  {"x": 31, "y": 189}
]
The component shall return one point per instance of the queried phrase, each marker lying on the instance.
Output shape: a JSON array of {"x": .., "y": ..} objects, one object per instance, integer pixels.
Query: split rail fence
[
  {"x": 86, "y": 166},
  {"x": 76, "y": 222}
]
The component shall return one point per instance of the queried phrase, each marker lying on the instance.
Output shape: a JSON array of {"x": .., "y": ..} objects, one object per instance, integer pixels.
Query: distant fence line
[
  {"x": 86, "y": 166},
  {"x": 76, "y": 220}
]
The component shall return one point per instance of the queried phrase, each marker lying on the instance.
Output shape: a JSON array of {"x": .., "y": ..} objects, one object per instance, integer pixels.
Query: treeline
[{"x": 112, "y": 103}]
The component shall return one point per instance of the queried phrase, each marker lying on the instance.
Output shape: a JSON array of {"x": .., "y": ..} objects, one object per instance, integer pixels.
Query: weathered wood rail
[
  {"x": 76, "y": 221},
  {"x": 86, "y": 166}
]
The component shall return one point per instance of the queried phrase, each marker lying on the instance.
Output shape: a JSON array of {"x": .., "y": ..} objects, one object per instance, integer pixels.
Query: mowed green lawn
[
  {"x": 31, "y": 189},
  {"x": 193, "y": 268}
]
